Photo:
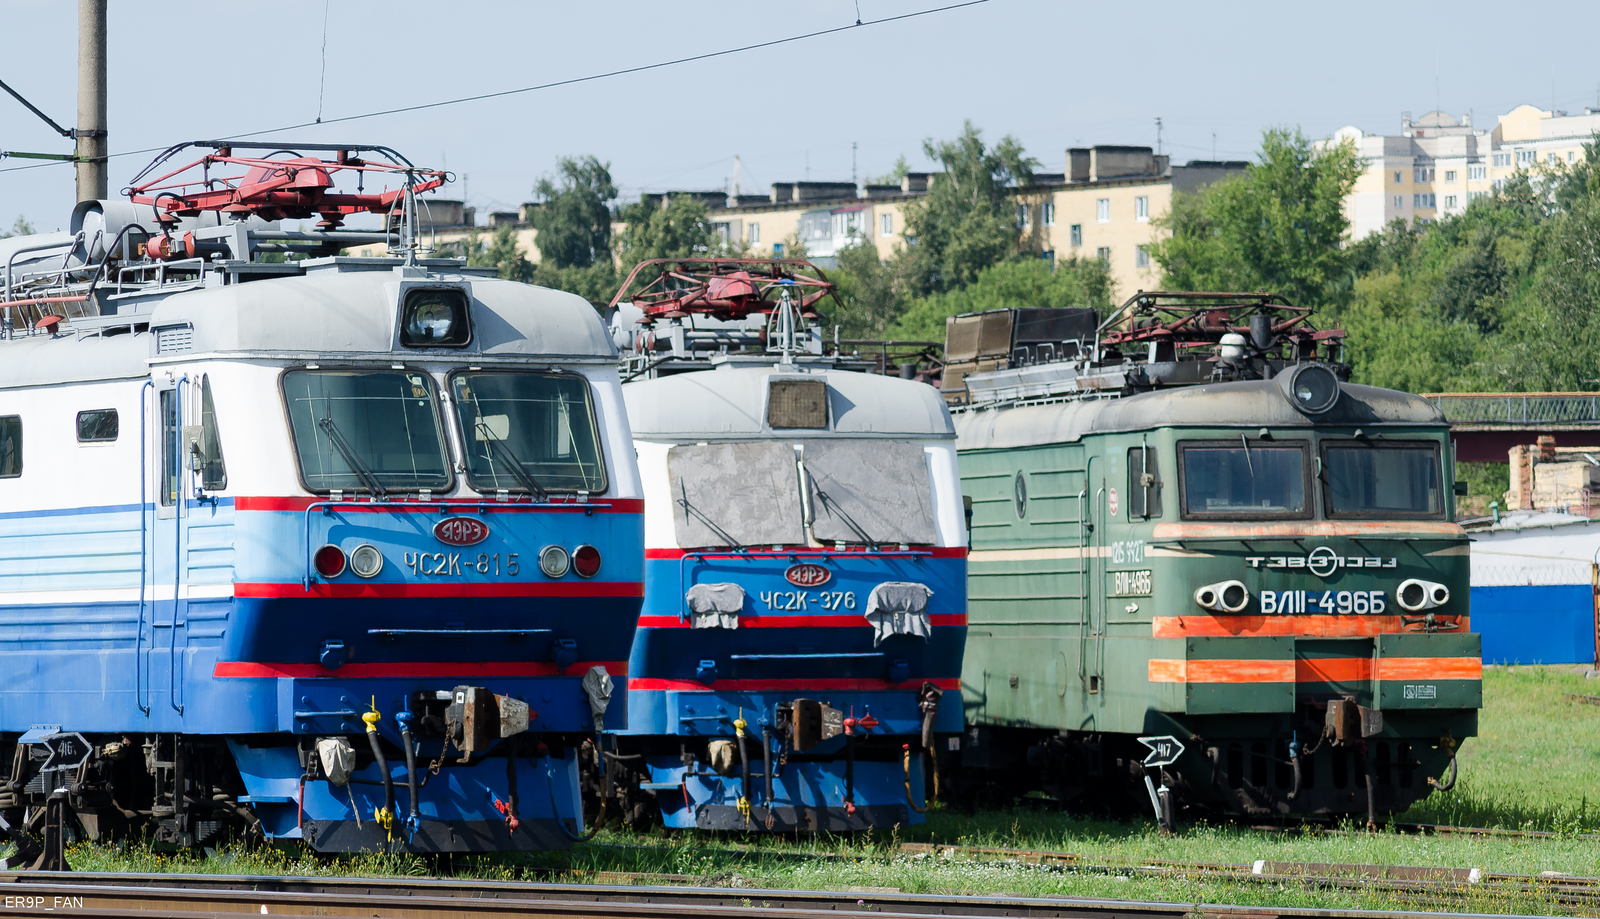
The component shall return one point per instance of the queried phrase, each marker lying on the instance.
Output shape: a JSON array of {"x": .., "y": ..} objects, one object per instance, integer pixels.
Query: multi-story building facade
[
  {"x": 1102, "y": 206},
  {"x": 1438, "y": 165}
]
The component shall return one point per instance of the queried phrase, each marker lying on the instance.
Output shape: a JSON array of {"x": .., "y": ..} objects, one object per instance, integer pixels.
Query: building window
[
  {"x": 1141, "y": 257},
  {"x": 1103, "y": 254},
  {"x": 886, "y": 225},
  {"x": 1527, "y": 157},
  {"x": 777, "y": 250},
  {"x": 1476, "y": 173},
  {"x": 1049, "y": 255},
  {"x": 1499, "y": 184},
  {"x": 1397, "y": 179},
  {"x": 1569, "y": 156},
  {"x": 1552, "y": 158},
  {"x": 755, "y": 233},
  {"x": 1102, "y": 210},
  {"x": 1423, "y": 200},
  {"x": 1047, "y": 215},
  {"x": 1023, "y": 211},
  {"x": 1502, "y": 159},
  {"x": 723, "y": 231},
  {"x": 1076, "y": 235},
  {"x": 1449, "y": 175},
  {"x": 1475, "y": 195},
  {"x": 1399, "y": 202},
  {"x": 1422, "y": 174},
  {"x": 1450, "y": 201},
  {"x": 1141, "y": 208}
]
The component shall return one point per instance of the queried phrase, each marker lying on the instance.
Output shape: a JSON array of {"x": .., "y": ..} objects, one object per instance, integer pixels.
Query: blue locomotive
[
  {"x": 345, "y": 550},
  {"x": 805, "y": 563}
]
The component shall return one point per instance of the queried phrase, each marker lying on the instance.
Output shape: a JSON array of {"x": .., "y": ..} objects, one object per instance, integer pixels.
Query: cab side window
[
  {"x": 213, "y": 472},
  {"x": 10, "y": 446},
  {"x": 1144, "y": 483}
]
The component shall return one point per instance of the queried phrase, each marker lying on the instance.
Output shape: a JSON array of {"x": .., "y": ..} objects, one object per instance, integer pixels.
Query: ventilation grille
[
  {"x": 797, "y": 404},
  {"x": 179, "y": 338}
]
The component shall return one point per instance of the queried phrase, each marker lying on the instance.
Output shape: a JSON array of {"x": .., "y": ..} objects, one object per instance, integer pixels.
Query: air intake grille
[
  {"x": 180, "y": 338},
  {"x": 797, "y": 404}
]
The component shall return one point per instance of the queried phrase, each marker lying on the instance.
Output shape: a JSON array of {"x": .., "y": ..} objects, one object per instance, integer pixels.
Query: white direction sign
[{"x": 1164, "y": 750}]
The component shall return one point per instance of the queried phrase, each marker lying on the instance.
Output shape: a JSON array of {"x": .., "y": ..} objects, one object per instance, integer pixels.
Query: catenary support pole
[{"x": 91, "y": 99}]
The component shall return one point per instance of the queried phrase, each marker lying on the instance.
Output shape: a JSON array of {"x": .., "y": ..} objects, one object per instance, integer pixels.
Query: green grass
[{"x": 1529, "y": 769}]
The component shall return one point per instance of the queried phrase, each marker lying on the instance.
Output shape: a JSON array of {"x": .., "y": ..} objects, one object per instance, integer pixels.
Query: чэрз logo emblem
[
  {"x": 461, "y": 531},
  {"x": 1322, "y": 561},
  {"x": 807, "y": 575}
]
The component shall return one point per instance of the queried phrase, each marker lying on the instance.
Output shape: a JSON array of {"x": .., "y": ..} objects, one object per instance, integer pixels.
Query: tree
[
  {"x": 501, "y": 252},
  {"x": 894, "y": 175},
  {"x": 1016, "y": 283},
  {"x": 1280, "y": 226},
  {"x": 21, "y": 227},
  {"x": 967, "y": 220},
  {"x": 874, "y": 291},
  {"x": 674, "y": 228},
  {"x": 574, "y": 217}
]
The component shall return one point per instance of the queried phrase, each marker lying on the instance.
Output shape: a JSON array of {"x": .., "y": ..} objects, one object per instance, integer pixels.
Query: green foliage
[
  {"x": 574, "y": 218},
  {"x": 1278, "y": 226},
  {"x": 19, "y": 227},
  {"x": 967, "y": 220},
  {"x": 874, "y": 291},
  {"x": 677, "y": 228},
  {"x": 894, "y": 175},
  {"x": 1505, "y": 297},
  {"x": 1026, "y": 283},
  {"x": 501, "y": 252}
]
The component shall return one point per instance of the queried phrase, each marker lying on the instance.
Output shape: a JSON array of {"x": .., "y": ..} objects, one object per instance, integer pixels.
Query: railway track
[{"x": 182, "y": 896}]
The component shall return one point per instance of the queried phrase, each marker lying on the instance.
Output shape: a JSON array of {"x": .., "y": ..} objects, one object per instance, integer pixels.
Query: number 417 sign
[{"x": 1164, "y": 750}]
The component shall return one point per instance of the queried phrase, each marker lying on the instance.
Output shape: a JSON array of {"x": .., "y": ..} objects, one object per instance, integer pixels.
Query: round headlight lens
[
  {"x": 329, "y": 561},
  {"x": 554, "y": 561},
  {"x": 366, "y": 561},
  {"x": 1314, "y": 389},
  {"x": 430, "y": 320},
  {"x": 586, "y": 561}
]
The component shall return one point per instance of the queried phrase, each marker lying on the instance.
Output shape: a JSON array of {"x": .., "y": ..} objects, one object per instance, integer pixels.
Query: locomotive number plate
[
  {"x": 461, "y": 564},
  {"x": 1131, "y": 583},
  {"x": 1344, "y": 602},
  {"x": 799, "y": 601}
]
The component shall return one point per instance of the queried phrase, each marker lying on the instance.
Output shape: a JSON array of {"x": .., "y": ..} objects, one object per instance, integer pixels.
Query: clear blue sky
[{"x": 1055, "y": 74}]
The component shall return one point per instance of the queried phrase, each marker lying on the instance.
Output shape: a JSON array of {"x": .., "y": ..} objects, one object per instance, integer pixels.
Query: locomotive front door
[{"x": 163, "y": 634}]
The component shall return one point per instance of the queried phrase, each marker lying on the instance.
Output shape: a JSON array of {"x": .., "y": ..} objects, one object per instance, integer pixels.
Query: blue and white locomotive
[
  {"x": 345, "y": 550},
  {"x": 805, "y": 564}
]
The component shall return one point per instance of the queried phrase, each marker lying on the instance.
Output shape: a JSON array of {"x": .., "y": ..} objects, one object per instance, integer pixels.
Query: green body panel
[{"x": 1048, "y": 608}]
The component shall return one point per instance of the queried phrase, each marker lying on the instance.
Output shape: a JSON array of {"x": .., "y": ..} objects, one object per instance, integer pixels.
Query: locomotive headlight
[
  {"x": 1416, "y": 594},
  {"x": 554, "y": 561},
  {"x": 434, "y": 318},
  {"x": 1312, "y": 388},
  {"x": 366, "y": 561},
  {"x": 1223, "y": 596}
]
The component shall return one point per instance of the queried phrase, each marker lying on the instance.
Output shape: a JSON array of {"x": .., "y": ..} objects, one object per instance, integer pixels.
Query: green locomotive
[{"x": 1206, "y": 571}]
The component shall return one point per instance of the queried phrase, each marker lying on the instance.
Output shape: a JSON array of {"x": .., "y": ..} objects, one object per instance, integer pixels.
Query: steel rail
[{"x": 141, "y": 895}]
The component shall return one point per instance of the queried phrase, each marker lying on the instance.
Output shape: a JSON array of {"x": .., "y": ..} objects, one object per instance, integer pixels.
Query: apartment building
[
  {"x": 1439, "y": 164},
  {"x": 1102, "y": 205}
]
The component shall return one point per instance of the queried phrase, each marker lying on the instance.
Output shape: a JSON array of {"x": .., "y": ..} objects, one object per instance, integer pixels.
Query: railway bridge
[{"x": 1485, "y": 426}]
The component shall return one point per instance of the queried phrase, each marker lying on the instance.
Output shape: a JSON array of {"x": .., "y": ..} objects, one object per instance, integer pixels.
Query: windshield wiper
[
  {"x": 1247, "y": 464},
  {"x": 828, "y": 502},
  {"x": 706, "y": 521},
  {"x": 509, "y": 459},
  {"x": 352, "y": 458}
]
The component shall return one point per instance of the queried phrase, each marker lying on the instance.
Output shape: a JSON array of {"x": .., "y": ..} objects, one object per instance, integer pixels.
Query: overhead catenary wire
[{"x": 642, "y": 68}]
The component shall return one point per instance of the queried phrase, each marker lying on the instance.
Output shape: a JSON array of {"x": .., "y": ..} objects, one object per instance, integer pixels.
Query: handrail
[
  {"x": 138, "y": 641},
  {"x": 173, "y": 683},
  {"x": 1518, "y": 408}
]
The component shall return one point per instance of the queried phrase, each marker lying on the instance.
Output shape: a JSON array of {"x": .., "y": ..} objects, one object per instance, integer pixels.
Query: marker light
[
  {"x": 586, "y": 561},
  {"x": 366, "y": 561},
  {"x": 329, "y": 561},
  {"x": 1416, "y": 595},
  {"x": 553, "y": 561}
]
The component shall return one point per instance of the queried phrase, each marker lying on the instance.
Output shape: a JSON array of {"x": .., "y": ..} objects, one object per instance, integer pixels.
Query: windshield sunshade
[
  {"x": 374, "y": 432},
  {"x": 1383, "y": 480},
  {"x": 735, "y": 495},
  {"x": 528, "y": 432},
  {"x": 871, "y": 492},
  {"x": 1236, "y": 480}
]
